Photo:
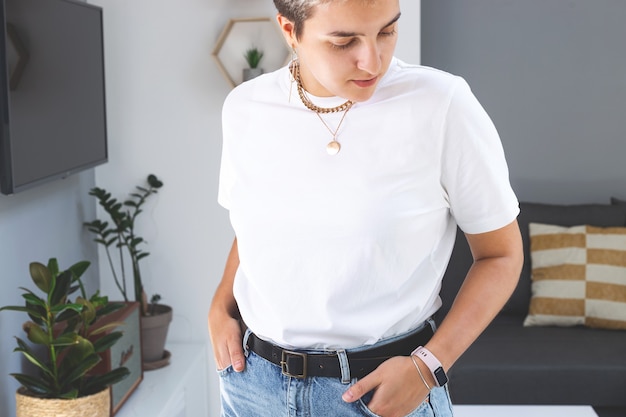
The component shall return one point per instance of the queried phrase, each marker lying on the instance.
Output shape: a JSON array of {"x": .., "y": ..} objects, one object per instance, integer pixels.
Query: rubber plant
[
  {"x": 68, "y": 333},
  {"x": 121, "y": 235}
]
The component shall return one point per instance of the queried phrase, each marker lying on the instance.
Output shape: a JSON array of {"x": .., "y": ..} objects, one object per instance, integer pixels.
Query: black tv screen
[{"x": 52, "y": 92}]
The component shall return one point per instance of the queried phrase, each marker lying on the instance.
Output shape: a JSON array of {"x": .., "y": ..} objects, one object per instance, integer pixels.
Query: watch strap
[{"x": 431, "y": 361}]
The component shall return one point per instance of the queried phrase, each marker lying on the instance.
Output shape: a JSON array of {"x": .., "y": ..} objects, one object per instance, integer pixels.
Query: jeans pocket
[
  {"x": 223, "y": 372},
  {"x": 423, "y": 410}
]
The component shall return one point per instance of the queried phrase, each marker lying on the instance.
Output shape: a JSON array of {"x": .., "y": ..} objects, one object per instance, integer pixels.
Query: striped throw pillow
[{"x": 578, "y": 276}]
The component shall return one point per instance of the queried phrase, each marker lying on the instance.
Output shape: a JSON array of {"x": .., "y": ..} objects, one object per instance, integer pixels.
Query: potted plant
[
  {"x": 66, "y": 342},
  {"x": 253, "y": 57},
  {"x": 120, "y": 235}
]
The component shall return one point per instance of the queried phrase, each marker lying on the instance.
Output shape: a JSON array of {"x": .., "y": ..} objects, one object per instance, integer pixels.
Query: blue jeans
[{"x": 261, "y": 390}]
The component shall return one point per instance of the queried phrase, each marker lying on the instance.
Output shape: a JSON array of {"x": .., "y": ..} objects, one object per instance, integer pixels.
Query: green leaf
[
  {"x": 36, "y": 304},
  {"x": 35, "y": 313},
  {"x": 79, "y": 268},
  {"x": 34, "y": 300},
  {"x": 81, "y": 349},
  {"x": 41, "y": 276},
  {"x": 89, "y": 310},
  {"x": 99, "y": 382},
  {"x": 61, "y": 289},
  {"x": 142, "y": 255},
  {"x": 16, "y": 308},
  {"x": 65, "y": 340},
  {"x": 95, "y": 191},
  {"x": 62, "y": 307},
  {"x": 67, "y": 315},
  {"x": 106, "y": 327},
  {"x": 154, "y": 181},
  {"x": 30, "y": 355},
  {"x": 36, "y": 334},
  {"x": 109, "y": 308},
  {"x": 36, "y": 385},
  {"x": 99, "y": 300},
  {"x": 106, "y": 341},
  {"x": 53, "y": 266},
  {"x": 73, "y": 289},
  {"x": 81, "y": 368}
]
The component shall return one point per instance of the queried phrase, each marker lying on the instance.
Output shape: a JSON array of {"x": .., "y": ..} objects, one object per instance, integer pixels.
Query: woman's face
[{"x": 346, "y": 46}]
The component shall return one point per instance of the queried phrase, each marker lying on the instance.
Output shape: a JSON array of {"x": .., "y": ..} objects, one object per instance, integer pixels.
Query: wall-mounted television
[{"x": 52, "y": 91}]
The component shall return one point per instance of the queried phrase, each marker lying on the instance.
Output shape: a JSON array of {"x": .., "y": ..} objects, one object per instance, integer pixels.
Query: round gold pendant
[{"x": 333, "y": 147}]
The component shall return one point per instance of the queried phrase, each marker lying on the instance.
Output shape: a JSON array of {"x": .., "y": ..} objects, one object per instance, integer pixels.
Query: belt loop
[
  {"x": 344, "y": 366},
  {"x": 432, "y": 323},
  {"x": 246, "y": 336}
]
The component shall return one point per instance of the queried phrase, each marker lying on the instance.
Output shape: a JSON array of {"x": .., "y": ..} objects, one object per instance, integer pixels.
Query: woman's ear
[{"x": 288, "y": 29}]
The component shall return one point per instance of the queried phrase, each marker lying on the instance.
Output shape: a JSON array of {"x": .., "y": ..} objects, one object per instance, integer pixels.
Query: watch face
[{"x": 441, "y": 376}]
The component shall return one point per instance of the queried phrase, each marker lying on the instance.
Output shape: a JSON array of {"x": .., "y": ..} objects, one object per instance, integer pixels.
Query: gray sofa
[{"x": 512, "y": 364}]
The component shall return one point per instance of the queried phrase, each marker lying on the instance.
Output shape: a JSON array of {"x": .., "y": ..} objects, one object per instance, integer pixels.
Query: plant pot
[
  {"x": 153, "y": 336},
  {"x": 96, "y": 405},
  {"x": 250, "y": 73}
]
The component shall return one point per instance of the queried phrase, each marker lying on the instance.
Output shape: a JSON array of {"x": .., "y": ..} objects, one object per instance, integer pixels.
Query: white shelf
[
  {"x": 524, "y": 411},
  {"x": 177, "y": 390}
]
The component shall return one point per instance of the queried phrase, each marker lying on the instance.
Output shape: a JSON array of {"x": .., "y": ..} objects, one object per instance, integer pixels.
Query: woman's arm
[
  {"x": 498, "y": 257},
  {"x": 224, "y": 328}
]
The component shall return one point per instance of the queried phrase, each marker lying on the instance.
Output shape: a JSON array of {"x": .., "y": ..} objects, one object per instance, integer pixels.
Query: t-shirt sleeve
[
  {"x": 475, "y": 174},
  {"x": 227, "y": 172}
]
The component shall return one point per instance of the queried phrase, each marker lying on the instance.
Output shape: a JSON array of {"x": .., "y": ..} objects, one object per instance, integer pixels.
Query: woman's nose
[{"x": 368, "y": 58}]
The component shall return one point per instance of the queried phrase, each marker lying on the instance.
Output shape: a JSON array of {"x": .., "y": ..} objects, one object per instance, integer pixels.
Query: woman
[{"x": 346, "y": 174}]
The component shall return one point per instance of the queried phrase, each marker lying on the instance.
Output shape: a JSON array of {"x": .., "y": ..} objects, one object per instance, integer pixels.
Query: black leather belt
[{"x": 300, "y": 365}]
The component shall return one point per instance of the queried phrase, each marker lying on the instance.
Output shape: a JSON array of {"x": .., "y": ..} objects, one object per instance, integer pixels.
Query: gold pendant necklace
[{"x": 333, "y": 147}]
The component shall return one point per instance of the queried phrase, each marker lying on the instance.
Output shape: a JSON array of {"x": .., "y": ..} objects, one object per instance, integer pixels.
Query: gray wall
[
  {"x": 552, "y": 75},
  {"x": 36, "y": 225}
]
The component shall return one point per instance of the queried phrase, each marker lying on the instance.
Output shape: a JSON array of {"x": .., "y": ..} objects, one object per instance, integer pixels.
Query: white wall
[{"x": 164, "y": 97}]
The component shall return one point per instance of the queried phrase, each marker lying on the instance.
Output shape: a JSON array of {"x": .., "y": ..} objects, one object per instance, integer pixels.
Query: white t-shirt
[{"x": 345, "y": 250}]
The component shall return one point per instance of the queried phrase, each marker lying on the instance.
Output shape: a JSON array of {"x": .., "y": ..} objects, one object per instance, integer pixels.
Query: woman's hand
[
  {"x": 398, "y": 389},
  {"x": 224, "y": 328},
  {"x": 226, "y": 339}
]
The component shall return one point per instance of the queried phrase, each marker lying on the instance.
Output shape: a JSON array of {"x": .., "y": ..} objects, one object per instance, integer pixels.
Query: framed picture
[{"x": 125, "y": 352}]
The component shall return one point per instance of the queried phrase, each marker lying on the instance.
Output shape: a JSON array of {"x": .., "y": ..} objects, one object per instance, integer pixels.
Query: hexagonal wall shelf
[{"x": 240, "y": 35}]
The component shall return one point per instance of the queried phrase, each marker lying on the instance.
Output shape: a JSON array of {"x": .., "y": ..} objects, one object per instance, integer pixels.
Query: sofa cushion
[
  {"x": 511, "y": 364},
  {"x": 602, "y": 215},
  {"x": 578, "y": 276},
  {"x": 618, "y": 201}
]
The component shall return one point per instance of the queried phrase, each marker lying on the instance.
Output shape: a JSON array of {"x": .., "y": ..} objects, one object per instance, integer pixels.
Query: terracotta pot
[
  {"x": 96, "y": 405},
  {"x": 154, "y": 334}
]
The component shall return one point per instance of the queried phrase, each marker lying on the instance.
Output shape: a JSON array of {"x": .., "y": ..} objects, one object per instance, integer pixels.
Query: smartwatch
[{"x": 433, "y": 364}]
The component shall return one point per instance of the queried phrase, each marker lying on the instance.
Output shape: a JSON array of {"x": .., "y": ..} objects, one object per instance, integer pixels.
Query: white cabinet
[{"x": 177, "y": 390}]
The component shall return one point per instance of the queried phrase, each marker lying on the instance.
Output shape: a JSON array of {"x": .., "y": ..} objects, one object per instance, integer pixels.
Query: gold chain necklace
[{"x": 333, "y": 147}]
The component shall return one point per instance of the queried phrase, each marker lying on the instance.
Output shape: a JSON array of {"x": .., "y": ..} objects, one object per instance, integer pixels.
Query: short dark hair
[{"x": 297, "y": 11}]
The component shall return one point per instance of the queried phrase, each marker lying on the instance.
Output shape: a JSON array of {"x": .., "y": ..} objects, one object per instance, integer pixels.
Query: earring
[{"x": 292, "y": 70}]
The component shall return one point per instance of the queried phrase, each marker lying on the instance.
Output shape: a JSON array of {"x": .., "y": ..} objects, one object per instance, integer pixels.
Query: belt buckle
[{"x": 285, "y": 367}]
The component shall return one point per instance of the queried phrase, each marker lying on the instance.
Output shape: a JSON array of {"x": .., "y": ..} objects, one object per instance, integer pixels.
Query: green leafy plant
[
  {"x": 253, "y": 57},
  {"x": 121, "y": 235},
  {"x": 69, "y": 333}
]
